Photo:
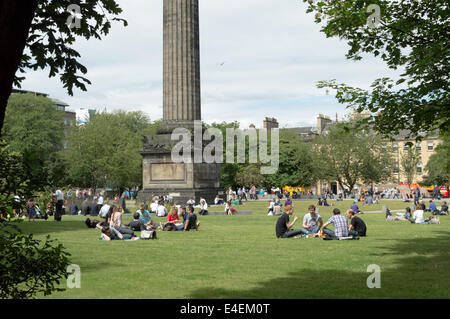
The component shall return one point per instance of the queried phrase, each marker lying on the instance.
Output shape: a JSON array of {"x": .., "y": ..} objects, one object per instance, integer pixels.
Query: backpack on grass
[{"x": 148, "y": 234}]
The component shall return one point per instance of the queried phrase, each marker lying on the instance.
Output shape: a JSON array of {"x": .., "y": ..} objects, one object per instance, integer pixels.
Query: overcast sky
[{"x": 271, "y": 50}]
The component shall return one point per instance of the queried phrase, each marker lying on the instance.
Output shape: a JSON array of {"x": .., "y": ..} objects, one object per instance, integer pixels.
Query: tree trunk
[{"x": 15, "y": 22}]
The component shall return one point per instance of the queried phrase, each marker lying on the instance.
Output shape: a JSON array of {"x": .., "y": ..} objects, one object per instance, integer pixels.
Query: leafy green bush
[{"x": 29, "y": 266}]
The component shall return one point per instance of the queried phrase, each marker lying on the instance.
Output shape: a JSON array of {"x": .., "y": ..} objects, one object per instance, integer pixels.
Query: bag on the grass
[{"x": 148, "y": 234}]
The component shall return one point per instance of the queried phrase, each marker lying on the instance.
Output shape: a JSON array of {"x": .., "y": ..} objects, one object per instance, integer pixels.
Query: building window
[
  {"x": 419, "y": 168},
  {"x": 430, "y": 146},
  {"x": 395, "y": 147},
  {"x": 65, "y": 122},
  {"x": 406, "y": 147},
  {"x": 65, "y": 145},
  {"x": 396, "y": 168},
  {"x": 418, "y": 147}
]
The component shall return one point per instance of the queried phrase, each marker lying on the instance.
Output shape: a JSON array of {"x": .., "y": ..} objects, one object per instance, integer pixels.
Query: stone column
[{"x": 181, "y": 101}]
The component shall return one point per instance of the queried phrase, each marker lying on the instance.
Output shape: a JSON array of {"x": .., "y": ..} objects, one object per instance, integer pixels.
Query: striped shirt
[{"x": 340, "y": 225}]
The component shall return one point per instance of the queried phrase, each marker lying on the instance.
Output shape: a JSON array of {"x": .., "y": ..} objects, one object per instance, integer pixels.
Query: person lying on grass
[
  {"x": 112, "y": 233},
  {"x": 95, "y": 223},
  {"x": 283, "y": 228},
  {"x": 403, "y": 217}
]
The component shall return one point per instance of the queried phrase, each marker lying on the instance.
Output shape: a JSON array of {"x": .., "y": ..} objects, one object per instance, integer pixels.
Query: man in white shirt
[
  {"x": 104, "y": 210},
  {"x": 59, "y": 196},
  {"x": 312, "y": 222},
  {"x": 154, "y": 207},
  {"x": 161, "y": 211}
]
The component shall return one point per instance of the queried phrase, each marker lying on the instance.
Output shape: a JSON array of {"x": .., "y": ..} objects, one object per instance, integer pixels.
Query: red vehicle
[{"x": 444, "y": 191}]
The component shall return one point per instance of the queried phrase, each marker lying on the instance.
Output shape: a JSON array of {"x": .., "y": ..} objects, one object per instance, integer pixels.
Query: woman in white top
[
  {"x": 418, "y": 215},
  {"x": 203, "y": 207}
]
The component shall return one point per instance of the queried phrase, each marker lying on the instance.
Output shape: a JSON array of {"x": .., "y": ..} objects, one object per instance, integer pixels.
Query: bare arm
[{"x": 289, "y": 226}]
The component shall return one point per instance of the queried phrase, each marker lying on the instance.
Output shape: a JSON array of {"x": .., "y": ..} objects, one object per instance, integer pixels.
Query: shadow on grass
[
  {"x": 50, "y": 226},
  {"x": 420, "y": 271}
]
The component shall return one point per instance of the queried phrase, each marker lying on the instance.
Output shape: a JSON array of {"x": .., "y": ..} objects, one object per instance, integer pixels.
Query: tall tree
[
  {"x": 34, "y": 127},
  {"x": 41, "y": 33},
  {"x": 105, "y": 151},
  {"x": 412, "y": 35},
  {"x": 349, "y": 154},
  {"x": 408, "y": 164},
  {"x": 297, "y": 165},
  {"x": 438, "y": 166}
]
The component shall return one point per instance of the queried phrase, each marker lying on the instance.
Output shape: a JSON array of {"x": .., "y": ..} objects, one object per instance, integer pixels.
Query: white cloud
[{"x": 272, "y": 54}]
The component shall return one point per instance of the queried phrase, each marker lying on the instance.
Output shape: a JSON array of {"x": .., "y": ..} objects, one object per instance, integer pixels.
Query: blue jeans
[
  {"x": 311, "y": 230},
  {"x": 329, "y": 233}
]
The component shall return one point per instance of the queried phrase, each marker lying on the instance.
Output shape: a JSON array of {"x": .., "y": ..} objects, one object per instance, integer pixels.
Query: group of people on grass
[
  {"x": 113, "y": 228},
  {"x": 313, "y": 225},
  {"x": 417, "y": 216}
]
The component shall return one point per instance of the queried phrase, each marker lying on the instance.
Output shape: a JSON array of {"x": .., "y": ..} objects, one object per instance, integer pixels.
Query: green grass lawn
[{"x": 240, "y": 257}]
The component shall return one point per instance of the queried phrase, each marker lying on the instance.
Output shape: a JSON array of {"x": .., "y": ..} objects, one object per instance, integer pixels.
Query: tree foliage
[
  {"x": 349, "y": 154},
  {"x": 27, "y": 266},
  {"x": 412, "y": 35},
  {"x": 297, "y": 163},
  {"x": 408, "y": 164},
  {"x": 50, "y": 40},
  {"x": 34, "y": 127},
  {"x": 105, "y": 151},
  {"x": 438, "y": 166}
]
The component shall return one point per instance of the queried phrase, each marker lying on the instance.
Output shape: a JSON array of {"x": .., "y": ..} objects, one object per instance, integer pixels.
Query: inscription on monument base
[{"x": 167, "y": 172}]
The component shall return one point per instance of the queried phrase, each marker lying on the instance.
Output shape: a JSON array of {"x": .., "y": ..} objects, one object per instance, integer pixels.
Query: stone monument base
[{"x": 181, "y": 181}]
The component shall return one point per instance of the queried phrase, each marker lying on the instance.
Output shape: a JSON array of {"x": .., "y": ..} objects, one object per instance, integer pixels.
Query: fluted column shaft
[{"x": 181, "y": 101}]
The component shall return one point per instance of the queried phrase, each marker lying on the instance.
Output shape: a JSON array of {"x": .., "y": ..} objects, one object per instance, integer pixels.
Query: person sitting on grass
[
  {"x": 340, "y": 225},
  {"x": 419, "y": 218},
  {"x": 357, "y": 226},
  {"x": 355, "y": 207},
  {"x": 312, "y": 222},
  {"x": 444, "y": 209},
  {"x": 144, "y": 216},
  {"x": 271, "y": 207},
  {"x": 432, "y": 208},
  {"x": 161, "y": 211},
  {"x": 229, "y": 209},
  {"x": 218, "y": 200},
  {"x": 137, "y": 224},
  {"x": 173, "y": 221},
  {"x": 283, "y": 229},
  {"x": 116, "y": 217},
  {"x": 190, "y": 220},
  {"x": 319, "y": 202},
  {"x": 112, "y": 233},
  {"x": 203, "y": 207}
]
